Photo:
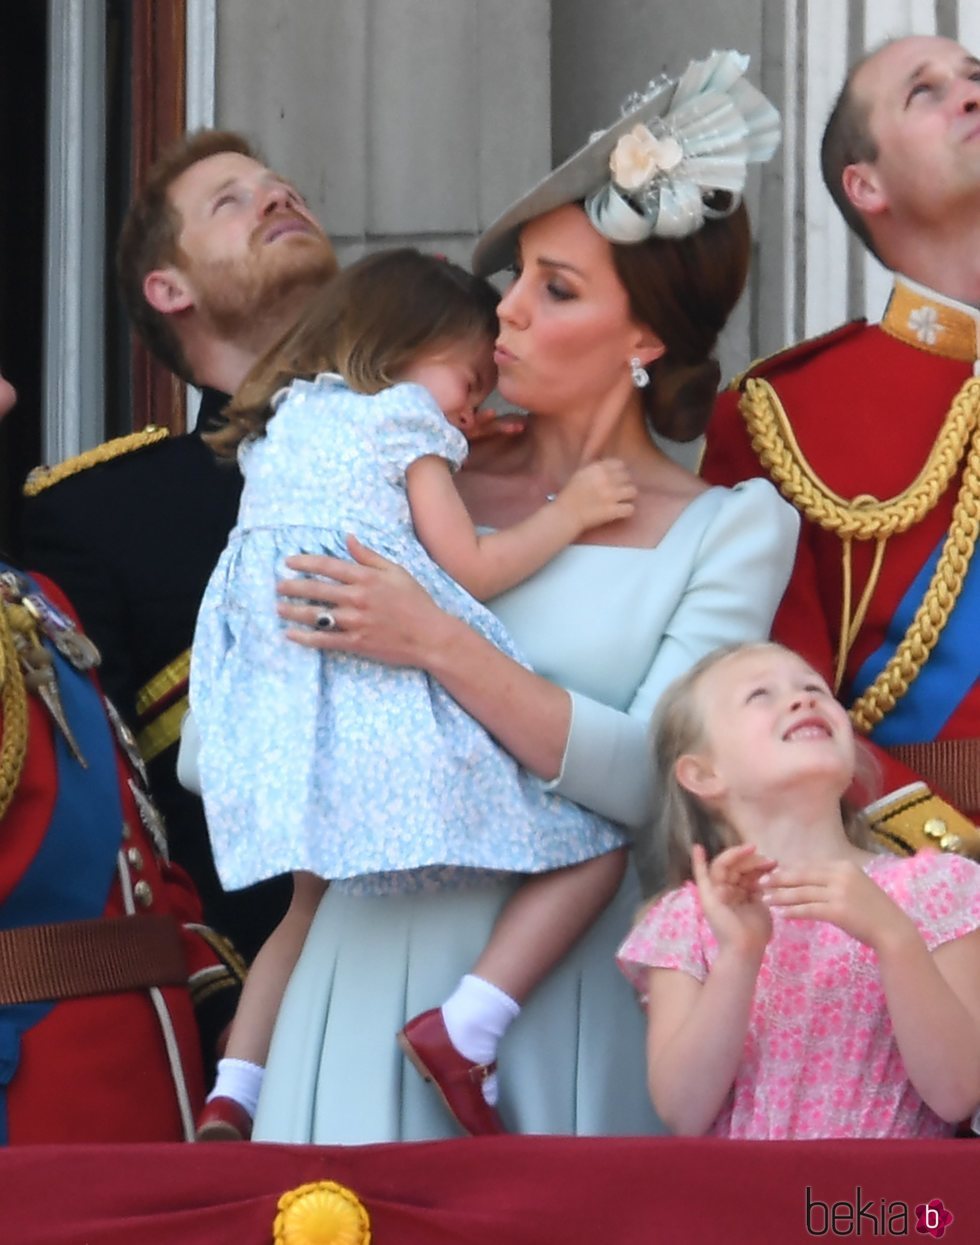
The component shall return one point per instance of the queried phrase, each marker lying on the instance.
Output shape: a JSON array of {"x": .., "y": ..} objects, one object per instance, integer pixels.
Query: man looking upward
[
  {"x": 874, "y": 433},
  {"x": 216, "y": 259}
]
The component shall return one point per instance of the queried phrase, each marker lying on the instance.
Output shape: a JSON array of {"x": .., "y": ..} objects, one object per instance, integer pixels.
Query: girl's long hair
[
  {"x": 663, "y": 850},
  {"x": 367, "y": 323}
]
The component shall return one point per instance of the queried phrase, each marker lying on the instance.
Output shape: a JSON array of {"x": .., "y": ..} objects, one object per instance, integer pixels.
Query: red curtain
[{"x": 499, "y": 1191}]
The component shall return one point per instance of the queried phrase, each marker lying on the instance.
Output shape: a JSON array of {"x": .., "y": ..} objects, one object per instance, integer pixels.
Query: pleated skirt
[{"x": 572, "y": 1063}]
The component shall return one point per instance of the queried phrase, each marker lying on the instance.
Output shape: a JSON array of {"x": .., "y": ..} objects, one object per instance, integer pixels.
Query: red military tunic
[
  {"x": 866, "y": 406},
  {"x": 109, "y": 1067}
]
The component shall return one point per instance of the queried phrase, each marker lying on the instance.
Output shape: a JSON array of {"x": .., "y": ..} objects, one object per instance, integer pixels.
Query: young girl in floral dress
[{"x": 797, "y": 983}]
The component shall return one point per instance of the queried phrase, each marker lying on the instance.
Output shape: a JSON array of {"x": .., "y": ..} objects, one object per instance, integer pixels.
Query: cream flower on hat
[{"x": 639, "y": 156}]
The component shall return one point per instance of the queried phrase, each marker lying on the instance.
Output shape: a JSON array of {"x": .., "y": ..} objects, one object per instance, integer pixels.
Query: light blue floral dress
[{"x": 329, "y": 762}]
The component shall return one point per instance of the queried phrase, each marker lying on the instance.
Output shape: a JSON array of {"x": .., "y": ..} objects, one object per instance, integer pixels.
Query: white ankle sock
[
  {"x": 477, "y": 1015},
  {"x": 240, "y": 1080}
]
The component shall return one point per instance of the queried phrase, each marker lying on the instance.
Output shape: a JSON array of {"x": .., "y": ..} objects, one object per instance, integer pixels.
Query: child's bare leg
[
  {"x": 241, "y": 1068},
  {"x": 544, "y": 919},
  {"x": 537, "y": 927}
]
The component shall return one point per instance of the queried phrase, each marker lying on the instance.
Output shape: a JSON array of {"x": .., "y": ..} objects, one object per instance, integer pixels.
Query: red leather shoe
[
  {"x": 459, "y": 1082},
  {"x": 223, "y": 1119}
]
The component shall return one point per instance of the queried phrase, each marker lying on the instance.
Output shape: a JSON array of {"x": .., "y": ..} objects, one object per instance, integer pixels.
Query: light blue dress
[
  {"x": 328, "y": 762},
  {"x": 615, "y": 626}
]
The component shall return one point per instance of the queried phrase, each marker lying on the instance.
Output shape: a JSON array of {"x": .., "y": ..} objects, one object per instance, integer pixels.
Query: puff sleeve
[
  {"x": 669, "y": 934},
  {"x": 410, "y": 426}
]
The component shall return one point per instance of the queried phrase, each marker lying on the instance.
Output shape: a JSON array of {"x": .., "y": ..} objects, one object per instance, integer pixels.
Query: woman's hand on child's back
[
  {"x": 840, "y": 892},
  {"x": 599, "y": 493},
  {"x": 729, "y": 887}
]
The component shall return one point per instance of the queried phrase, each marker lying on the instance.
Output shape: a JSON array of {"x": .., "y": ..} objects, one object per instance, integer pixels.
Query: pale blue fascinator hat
[{"x": 677, "y": 157}]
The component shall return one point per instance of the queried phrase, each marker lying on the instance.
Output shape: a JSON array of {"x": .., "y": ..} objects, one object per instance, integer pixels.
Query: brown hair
[
  {"x": 682, "y": 818},
  {"x": 150, "y": 237},
  {"x": 368, "y": 323},
  {"x": 847, "y": 140},
  {"x": 685, "y": 290}
]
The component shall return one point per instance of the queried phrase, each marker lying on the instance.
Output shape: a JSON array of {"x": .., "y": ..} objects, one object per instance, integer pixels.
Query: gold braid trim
[
  {"x": 863, "y": 518},
  {"x": 41, "y": 478},
  {"x": 937, "y": 605},
  {"x": 867, "y": 518},
  {"x": 13, "y": 698}
]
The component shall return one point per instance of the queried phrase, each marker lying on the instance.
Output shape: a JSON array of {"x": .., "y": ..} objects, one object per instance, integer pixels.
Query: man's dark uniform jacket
[{"x": 131, "y": 532}]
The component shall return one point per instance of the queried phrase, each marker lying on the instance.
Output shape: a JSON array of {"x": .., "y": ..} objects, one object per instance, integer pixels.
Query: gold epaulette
[
  {"x": 796, "y": 353},
  {"x": 43, "y": 477},
  {"x": 913, "y": 818}
]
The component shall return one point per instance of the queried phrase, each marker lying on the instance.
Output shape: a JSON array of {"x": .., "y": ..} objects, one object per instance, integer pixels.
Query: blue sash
[
  {"x": 946, "y": 678},
  {"x": 72, "y": 874}
]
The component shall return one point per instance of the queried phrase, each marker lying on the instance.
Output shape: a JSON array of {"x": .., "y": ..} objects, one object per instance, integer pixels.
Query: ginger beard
[{"x": 245, "y": 289}]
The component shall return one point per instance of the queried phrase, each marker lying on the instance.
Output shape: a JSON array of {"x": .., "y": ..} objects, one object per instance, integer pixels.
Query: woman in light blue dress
[
  {"x": 333, "y": 767},
  {"x": 603, "y": 329}
]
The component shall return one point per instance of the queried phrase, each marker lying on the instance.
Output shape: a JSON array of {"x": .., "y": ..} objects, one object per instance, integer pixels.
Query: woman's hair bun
[{"x": 683, "y": 397}]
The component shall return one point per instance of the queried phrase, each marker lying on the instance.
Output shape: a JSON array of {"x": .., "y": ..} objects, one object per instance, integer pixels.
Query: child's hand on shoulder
[
  {"x": 600, "y": 493},
  {"x": 729, "y": 887},
  {"x": 840, "y": 892},
  {"x": 487, "y": 425}
]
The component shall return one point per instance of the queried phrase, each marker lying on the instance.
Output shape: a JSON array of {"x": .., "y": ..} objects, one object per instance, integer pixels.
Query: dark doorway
[
  {"x": 23, "y": 147},
  {"x": 144, "y": 111}
]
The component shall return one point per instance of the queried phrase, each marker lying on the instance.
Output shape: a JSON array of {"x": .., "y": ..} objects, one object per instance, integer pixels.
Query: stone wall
[{"x": 402, "y": 120}]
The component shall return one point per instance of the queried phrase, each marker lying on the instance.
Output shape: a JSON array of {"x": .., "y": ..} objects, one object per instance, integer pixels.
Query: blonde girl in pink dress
[{"x": 797, "y": 983}]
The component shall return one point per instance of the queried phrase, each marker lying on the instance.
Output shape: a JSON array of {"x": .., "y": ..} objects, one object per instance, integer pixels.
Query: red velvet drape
[{"x": 497, "y": 1191}]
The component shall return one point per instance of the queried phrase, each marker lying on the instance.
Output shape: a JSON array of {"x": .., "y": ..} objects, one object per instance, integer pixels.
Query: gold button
[
  {"x": 135, "y": 858},
  {"x": 126, "y": 832},
  {"x": 935, "y": 828},
  {"x": 949, "y": 842},
  {"x": 143, "y": 892}
]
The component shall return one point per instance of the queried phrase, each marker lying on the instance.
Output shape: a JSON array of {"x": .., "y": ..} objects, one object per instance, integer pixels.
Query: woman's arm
[
  {"x": 487, "y": 564},
  {"x": 593, "y": 753},
  {"x": 730, "y": 587}
]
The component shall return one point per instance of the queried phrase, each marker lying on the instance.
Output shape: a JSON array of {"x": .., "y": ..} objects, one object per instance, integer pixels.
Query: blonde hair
[
  {"x": 367, "y": 323},
  {"x": 663, "y": 851}
]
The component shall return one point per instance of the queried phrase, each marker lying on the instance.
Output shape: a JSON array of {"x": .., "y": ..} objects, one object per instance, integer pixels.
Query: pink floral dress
[{"x": 820, "y": 1056}]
